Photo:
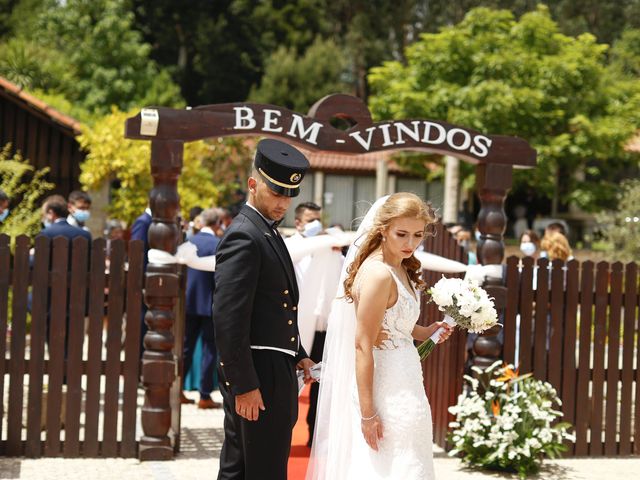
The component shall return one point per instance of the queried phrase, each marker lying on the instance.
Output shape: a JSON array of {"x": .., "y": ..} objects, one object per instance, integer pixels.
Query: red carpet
[{"x": 299, "y": 456}]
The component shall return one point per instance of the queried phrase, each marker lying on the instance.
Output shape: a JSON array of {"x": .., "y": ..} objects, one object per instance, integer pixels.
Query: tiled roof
[
  {"x": 362, "y": 162},
  {"x": 52, "y": 113}
]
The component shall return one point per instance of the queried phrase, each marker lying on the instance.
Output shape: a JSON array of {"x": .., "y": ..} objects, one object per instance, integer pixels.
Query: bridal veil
[{"x": 332, "y": 442}]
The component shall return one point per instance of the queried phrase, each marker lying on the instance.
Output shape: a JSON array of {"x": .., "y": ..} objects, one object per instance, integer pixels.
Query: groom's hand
[
  {"x": 305, "y": 364},
  {"x": 248, "y": 405}
]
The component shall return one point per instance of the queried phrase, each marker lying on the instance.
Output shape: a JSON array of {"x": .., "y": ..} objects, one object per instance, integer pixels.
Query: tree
[
  {"x": 620, "y": 228},
  {"x": 524, "y": 78},
  {"x": 217, "y": 50},
  {"x": 606, "y": 19},
  {"x": 125, "y": 165},
  {"x": 297, "y": 82},
  {"x": 88, "y": 52},
  {"x": 625, "y": 54},
  {"x": 26, "y": 187},
  {"x": 30, "y": 66},
  {"x": 110, "y": 60}
]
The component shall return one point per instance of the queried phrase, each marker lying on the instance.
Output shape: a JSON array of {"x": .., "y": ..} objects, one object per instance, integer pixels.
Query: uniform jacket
[
  {"x": 255, "y": 300},
  {"x": 200, "y": 284}
]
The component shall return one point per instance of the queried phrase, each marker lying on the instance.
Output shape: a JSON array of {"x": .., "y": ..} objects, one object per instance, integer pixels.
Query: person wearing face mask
[
  {"x": 55, "y": 215},
  {"x": 530, "y": 244},
  {"x": 4, "y": 206},
  {"x": 318, "y": 274},
  {"x": 79, "y": 205},
  {"x": 54, "y": 218},
  {"x": 463, "y": 237}
]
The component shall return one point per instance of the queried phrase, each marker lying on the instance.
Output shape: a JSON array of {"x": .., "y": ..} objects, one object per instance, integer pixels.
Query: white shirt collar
[
  {"x": 207, "y": 230},
  {"x": 270, "y": 222}
]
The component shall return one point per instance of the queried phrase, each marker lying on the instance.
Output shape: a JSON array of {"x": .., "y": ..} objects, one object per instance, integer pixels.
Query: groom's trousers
[{"x": 260, "y": 450}]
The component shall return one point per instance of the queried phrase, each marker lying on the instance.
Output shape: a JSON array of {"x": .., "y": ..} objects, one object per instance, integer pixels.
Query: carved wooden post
[
  {"x": 492, "y": 183},
  {"x": 161, "y": 294}
]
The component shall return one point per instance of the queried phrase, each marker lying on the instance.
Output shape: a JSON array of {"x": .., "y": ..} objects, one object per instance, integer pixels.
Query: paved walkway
[{"x": 201, "y": 441}]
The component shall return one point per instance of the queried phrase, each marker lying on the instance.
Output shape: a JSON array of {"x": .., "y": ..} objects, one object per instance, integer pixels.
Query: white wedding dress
[
  {"x": 339, "y": 450},
  {"x": 406, "y": 449}
]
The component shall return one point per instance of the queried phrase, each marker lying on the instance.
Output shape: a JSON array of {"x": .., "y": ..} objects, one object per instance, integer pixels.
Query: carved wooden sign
[{"x": 315, "y": 131}]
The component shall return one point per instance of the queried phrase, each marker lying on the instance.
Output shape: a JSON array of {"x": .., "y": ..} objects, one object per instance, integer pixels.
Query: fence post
[
  {"x": 161, "y": 294},
  {"x": 492, "y": 183}
]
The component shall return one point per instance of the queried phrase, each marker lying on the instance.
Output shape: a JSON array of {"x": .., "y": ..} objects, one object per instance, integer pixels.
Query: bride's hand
[
  {"x": 372, "y": 431},
  {"x": 444, "y": 336}
]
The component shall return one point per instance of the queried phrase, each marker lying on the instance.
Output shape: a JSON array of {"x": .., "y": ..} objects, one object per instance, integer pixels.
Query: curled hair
[
  {"x": 398, "y": 205},
  {"x": 557, "y": 246}
]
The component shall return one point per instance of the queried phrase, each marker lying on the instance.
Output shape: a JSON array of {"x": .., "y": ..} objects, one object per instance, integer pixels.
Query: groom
[{"x": 256, "y": 326}]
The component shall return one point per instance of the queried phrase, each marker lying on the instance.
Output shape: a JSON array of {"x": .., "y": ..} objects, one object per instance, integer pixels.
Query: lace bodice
[{"x": 399, "y": 319}]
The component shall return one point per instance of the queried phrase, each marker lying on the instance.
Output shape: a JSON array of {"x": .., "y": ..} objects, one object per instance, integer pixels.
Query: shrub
[
  {"x": 506, "y": 422},
  {"x": 25, "y": 187}
]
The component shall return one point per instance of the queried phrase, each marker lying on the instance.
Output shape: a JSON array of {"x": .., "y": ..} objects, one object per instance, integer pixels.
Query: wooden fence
[
  {"x": 444, "y": 368},
  {"x": 74, "y": 393},
  {"x": 576, "y": 326}
]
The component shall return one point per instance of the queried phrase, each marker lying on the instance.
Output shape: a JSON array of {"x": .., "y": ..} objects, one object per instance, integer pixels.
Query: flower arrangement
[
  {"x": 505, "y": 421},
  {"x": 465, "y": 304}
]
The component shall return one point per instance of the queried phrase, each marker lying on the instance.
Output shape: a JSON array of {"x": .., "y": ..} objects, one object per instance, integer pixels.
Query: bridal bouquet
[{"x": 465, "y": 304}]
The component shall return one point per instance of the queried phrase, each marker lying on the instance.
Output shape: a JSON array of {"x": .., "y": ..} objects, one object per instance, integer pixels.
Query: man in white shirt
[{"x": 317, "y": 274}]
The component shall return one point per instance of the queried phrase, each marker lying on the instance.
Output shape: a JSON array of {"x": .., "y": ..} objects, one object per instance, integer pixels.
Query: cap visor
[{"x": 287, "y": 192}]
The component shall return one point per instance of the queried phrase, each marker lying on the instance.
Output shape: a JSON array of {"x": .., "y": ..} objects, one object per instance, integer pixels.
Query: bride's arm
[
  {"x": 372, "y": 303},
  {"x": 421, "y": 333}
]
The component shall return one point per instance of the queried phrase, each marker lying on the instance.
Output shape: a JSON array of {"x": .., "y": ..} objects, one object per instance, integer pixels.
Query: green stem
[{"x": 425, "y": 348}]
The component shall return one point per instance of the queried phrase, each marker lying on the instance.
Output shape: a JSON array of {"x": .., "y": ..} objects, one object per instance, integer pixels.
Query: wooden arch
[{"x": 168, "y": 129}]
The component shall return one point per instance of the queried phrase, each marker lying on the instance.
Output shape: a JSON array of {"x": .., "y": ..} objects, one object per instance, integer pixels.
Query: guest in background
[
  {"x": 225, "y": 220},
  {"x": 557, "y": 247},
  {"x": 55, "y": 216},
  {"x": 199, "y": 302},
  {"x": 195, "y": 223},
  {"x": 555, "y": 227},
  {"x": 463, "y": 237},
  {"x": 140, "y": 231},
  {"x": 79, "y": 205},
  {"x": 114, "y": 230},
  {"x": 530, "y": 244},
  {"x": 317, "y": 274},
  {"x": 4, "y": 206}
]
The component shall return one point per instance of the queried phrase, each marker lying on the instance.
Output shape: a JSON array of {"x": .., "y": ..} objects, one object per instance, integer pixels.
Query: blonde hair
[
  {"x": 557, "y": 246},
  {"x": 398, "y": 205}
]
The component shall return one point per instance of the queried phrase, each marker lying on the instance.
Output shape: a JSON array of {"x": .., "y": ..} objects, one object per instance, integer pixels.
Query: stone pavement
[{"x": 202, "y": 437}]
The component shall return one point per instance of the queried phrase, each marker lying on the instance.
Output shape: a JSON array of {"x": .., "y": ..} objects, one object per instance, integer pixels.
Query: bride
[{"x": 374, "y": 419}]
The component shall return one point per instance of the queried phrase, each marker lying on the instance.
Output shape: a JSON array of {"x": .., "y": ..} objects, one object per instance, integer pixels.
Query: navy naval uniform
[{"x": 256, "y": 328}]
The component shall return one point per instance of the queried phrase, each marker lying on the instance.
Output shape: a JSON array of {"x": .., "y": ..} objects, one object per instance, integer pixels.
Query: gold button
[
  {"x": 286, "y": 292},
  {"x": 294, "y": 308},
  {"x": 293, "y": 339},
  {"x": 290, "y": 322},
  {"x": 284, "y": 305},
  {"x": 221, "y": 364},
  {"x": 227, "y": 383}
]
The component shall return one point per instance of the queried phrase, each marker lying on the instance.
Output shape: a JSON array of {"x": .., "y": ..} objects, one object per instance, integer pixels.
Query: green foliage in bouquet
[{"x": 507, "y": 422}]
